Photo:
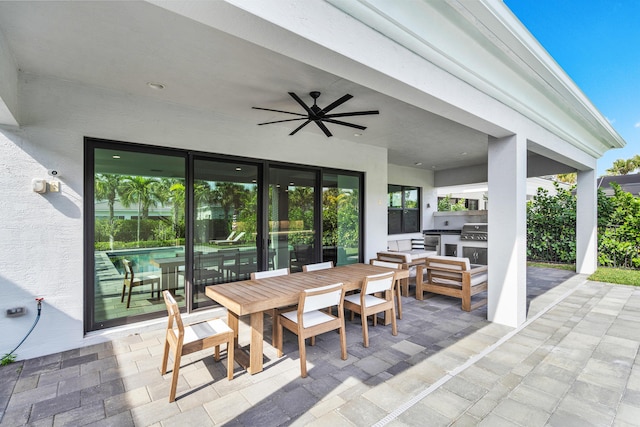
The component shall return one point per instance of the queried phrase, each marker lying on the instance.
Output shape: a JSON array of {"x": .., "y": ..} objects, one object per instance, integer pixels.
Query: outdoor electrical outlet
[
  {"x": 54, "y": 186},
  {"x": 15, "y": 312}
]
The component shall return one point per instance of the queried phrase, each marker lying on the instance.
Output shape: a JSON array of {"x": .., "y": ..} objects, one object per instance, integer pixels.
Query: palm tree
[
  {"x": 106, "y": 188},
  {"x": 177, "y": 197},
  {"x": 229, "y": 195},
  {"x": 142, "y": 191},
  {"x": 624, "y": 167},
  {"x": 569, "y": 178}
]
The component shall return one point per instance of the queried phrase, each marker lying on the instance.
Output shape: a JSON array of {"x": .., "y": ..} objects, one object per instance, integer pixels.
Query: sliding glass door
[
  {"x": 341, "y": 218},
  {"x": 138, "y": 232},
  {"x": 225, "y": 224},
  {"x": 292, "y": 218},
  {"x": 166, "y": 219}
]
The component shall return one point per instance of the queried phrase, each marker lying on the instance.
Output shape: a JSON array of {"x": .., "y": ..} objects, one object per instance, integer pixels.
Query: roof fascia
[{"x": 482, "y": 43}]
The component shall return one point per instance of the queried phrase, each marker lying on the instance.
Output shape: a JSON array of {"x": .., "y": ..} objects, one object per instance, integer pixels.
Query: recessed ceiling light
[
  {"x": 156, "y": 86},
  {"x": 357, "y": 134},
  {"x": 238, "y": 169},
  {"x": 418, "y": 163},
  {"x": 464, "y": 153},
  {"x": 291, "y": 183},
  {"x": 116, "y": 157},
  {"x": 433, "y": 167}
]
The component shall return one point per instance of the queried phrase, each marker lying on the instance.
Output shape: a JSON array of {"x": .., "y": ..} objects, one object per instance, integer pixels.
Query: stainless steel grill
[{"x": 474, "y": 231}]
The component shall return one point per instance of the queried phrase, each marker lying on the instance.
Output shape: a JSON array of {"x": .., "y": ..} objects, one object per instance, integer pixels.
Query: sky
[{"x": 597, "y": 43}]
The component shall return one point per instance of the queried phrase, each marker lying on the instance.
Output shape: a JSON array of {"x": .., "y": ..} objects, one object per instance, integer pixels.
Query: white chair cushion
[
  {"x": 369, "y": 300},
  {"x": 202, "y": 330},
  {"x": 310, "y": 318},
  {"x": 392, "y": 245}
]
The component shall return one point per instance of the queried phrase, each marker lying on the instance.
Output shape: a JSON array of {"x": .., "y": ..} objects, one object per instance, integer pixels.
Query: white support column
[
  {"x": 586, "y": 223},
  {"x": 507, "y": 258}
]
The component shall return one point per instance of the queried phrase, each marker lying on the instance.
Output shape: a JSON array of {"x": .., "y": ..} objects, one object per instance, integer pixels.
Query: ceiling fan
[{"x": 319, "y": 115}]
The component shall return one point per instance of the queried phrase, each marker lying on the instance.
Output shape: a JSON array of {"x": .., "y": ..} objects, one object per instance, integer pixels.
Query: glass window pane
[
  {"x": 411, "y": 220},
  {"x": 225, "y": 224},
  {"x": 341, "y": 218},
  {"x": 411, "y": 199},
  {"x": 291, "y": 218},
  {"x": 394, "y": 196},
  {"x": 139, "y": 222},
  {"x": 395, "y": 221}
]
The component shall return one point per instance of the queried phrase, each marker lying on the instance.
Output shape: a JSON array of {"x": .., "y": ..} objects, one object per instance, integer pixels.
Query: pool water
[{"x": 141, "y": 258}]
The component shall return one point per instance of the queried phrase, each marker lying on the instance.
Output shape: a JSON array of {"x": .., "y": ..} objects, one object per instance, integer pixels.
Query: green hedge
[
  {"x": 105, "y": 246},
  {"x": 551, "y": 228}
]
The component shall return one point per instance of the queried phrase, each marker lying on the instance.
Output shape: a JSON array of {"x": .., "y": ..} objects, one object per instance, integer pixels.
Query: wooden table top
[{"x": 251, "y": 296}]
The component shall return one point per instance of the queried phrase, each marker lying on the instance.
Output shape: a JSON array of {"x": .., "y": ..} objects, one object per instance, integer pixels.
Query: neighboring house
[
  {"x": 165, "y": 90},
  {"x": 628, "y": 183}
]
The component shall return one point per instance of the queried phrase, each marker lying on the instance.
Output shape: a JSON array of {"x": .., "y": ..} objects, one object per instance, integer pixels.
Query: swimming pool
[{"x": 141, "y": 258}]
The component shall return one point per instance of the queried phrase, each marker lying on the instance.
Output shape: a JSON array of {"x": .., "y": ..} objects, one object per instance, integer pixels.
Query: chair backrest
[
  {"x": 319, "y": 298},
  {"x": 128, "y": 269},
  {"x": 231, "y": 235},
  {"x": 175, "y": 319},
  {"x": 318, "y": 266},
  {"x": 378, "y": 283},
  {"x": 269, "y": 273},
  {"x": 386, "y": 264},
  {"x": 238, "y": 237}
]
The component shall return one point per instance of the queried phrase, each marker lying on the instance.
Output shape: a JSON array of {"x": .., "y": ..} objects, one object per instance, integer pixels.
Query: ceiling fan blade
[
  {"x": 300, "y": 127},
  {"x": 353, "y": 113},
  {"x": 301, "y": 102},
  {"x": 323, "y": 127},
  {"x": 338, "y": 122},
  {"x": 279, "y": 111},
  {"x": 336, "y": 103},
  {"x": 280, "y": 121}
]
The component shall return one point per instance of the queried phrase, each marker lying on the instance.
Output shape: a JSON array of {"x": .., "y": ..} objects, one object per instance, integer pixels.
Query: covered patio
[
  {"x": 465, "y": 95},
  {"x": 574, "y": 361}
]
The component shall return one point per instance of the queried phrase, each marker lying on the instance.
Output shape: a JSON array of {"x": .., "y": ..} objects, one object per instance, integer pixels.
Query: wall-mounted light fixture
[{"x": 39, "y": 185}]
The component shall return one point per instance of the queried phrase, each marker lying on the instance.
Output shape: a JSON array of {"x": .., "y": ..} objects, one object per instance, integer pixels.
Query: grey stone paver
[{"x": 576, "y": 364}]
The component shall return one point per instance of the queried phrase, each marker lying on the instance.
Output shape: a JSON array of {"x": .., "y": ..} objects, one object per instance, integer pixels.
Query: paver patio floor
[{"x": 574, "y": 362}]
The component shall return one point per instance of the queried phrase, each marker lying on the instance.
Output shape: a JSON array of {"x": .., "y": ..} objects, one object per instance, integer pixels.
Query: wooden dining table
[{"x": 254, "y": 297}]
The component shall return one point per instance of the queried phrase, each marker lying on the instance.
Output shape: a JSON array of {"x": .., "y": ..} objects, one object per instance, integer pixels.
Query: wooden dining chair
[
  {"x": 398, "y": 292},
  {"x": 366, "y": 304},
  {"x": 131, "y": 281},
  {"x": 317, "y": 266},
  {"x": 257, "y": 275},
  {"x": 181, "y": 340},
  {"x": 310, "y": 319}
]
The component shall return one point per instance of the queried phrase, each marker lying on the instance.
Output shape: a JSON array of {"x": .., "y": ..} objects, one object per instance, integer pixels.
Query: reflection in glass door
[
  {"x": 225, "y": 224},
  {"x": 341, "y": 218},
  {"x": 292, "y": 216},
  {"x": 138, "y": 234}
]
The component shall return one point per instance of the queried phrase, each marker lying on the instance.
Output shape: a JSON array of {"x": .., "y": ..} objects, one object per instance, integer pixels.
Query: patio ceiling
[{"x": 121, "y": 46}]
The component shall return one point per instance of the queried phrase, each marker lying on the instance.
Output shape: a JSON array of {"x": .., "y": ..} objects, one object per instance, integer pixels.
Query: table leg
[
  {"x": 255, "y": 351},
  {"x": 234, "y": 323},
  {"x": 168, "y": 279}
]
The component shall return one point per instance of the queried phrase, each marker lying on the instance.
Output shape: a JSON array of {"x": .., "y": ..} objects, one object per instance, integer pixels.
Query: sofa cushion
[
  {"x": 392, "y": 245},
  {"x": 404, "y": 245}
]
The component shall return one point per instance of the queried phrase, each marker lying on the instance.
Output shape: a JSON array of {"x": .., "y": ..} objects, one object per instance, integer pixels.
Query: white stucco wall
[{"x": 42, "y": 235}]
